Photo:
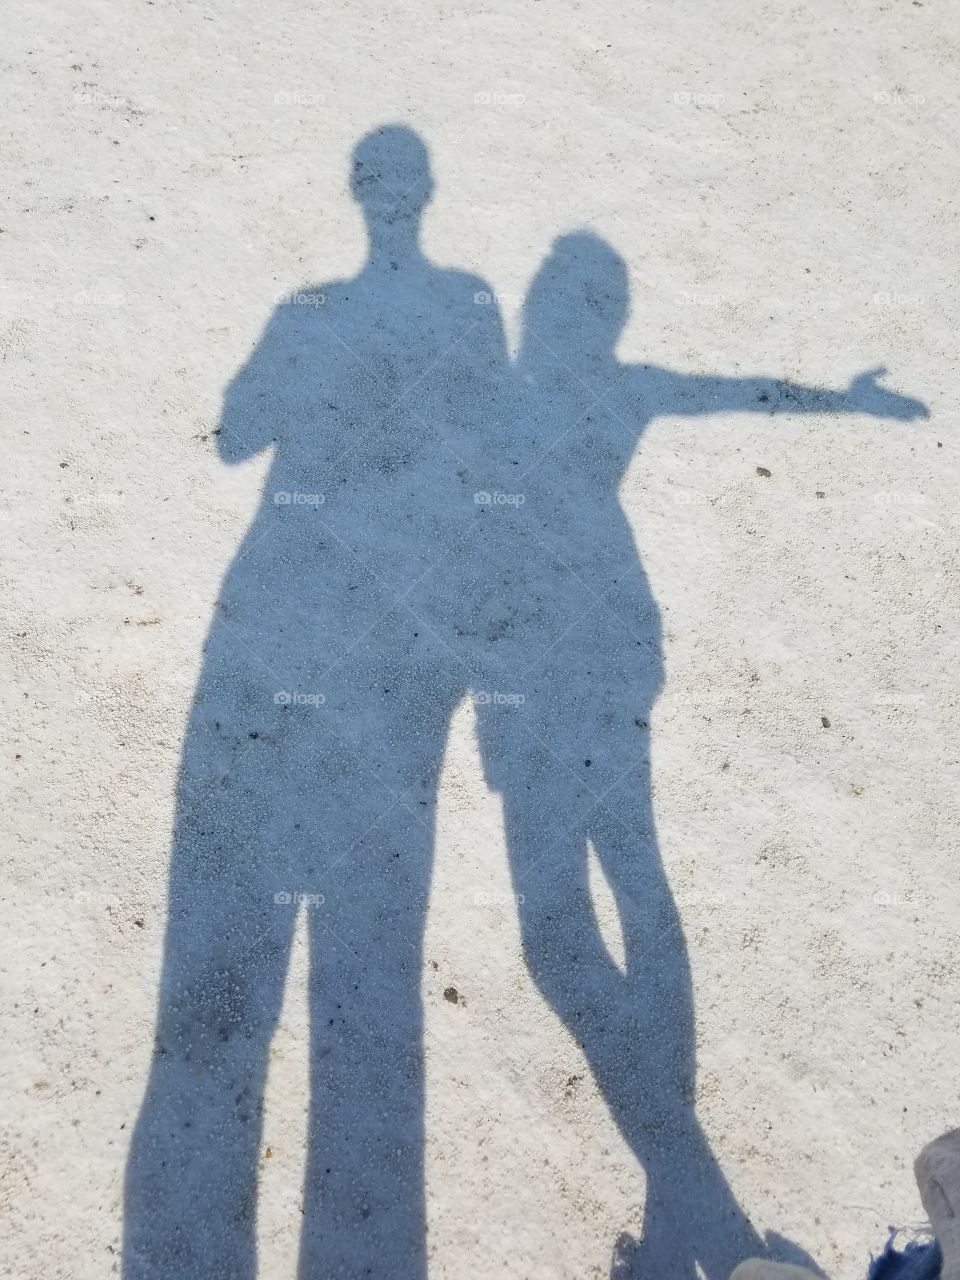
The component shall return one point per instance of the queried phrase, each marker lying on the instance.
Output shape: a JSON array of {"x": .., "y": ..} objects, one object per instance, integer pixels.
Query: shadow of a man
[
  {"x": 381, "y": 580},
  {"x": 311, "y": 759}
]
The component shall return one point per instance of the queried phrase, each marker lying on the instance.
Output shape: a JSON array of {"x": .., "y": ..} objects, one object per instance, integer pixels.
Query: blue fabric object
[{"x": 916, "y": 1262}]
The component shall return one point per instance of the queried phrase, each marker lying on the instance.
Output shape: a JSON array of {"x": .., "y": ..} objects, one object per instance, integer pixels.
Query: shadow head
[
  {"x": 579, "y": 299},
  {"x": 390, "y": 175}
]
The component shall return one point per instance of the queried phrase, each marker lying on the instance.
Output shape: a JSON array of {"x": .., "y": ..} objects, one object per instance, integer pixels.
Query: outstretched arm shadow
[{"x": 687, "y": 395}]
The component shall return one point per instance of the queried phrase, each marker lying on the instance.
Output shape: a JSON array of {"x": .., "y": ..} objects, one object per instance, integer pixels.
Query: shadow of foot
[{"x": 648, "y": 1258}]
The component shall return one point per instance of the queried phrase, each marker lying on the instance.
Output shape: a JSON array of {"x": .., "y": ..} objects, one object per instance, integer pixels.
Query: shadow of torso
[
  {"x": 353, "y": 582},
  {"x": 583, "y": 646}
]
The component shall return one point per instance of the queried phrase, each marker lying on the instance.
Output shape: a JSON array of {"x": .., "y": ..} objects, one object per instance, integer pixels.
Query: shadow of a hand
[{"x": 867, "y": 396}]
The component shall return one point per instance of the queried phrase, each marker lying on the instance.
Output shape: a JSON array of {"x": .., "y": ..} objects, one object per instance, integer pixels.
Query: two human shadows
[{"x": 438, "y": 521}]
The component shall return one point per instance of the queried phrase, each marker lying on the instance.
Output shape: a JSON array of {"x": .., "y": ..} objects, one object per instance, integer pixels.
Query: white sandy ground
[{"x": 782, "y": 181}]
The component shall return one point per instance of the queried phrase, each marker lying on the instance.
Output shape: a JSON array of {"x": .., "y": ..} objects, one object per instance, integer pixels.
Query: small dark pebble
[
  {"x": 825, "y": 722},
  {"x": 452, "y": 994},
  {"x": 762, "y": 471}
]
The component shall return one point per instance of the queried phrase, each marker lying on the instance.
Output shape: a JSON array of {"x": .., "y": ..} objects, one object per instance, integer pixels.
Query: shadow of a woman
[{"x": 572, "y": 757}]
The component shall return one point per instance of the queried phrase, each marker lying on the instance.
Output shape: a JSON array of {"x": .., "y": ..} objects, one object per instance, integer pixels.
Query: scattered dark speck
[
  {"x": 762, "y": 471},
  {"x": 821, "y": 494},
  {"x": 452, "y": 995},
  {"x": 253, "y": 734},
  {"x": 587, "y": 763},
  {"x": 825, "y": 722}
]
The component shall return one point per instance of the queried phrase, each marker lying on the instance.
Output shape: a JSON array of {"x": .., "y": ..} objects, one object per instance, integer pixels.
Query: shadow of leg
[
  {"x": 364, "y": 1199},
  {"x": 635, "y": 1027},
  {"x": 191, "y": 1176},
  {"x": 364, "y": 1196}
]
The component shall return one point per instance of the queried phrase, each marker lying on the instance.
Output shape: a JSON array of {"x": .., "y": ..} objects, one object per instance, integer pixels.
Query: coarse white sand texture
[{"x": 780, "y": 182}]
